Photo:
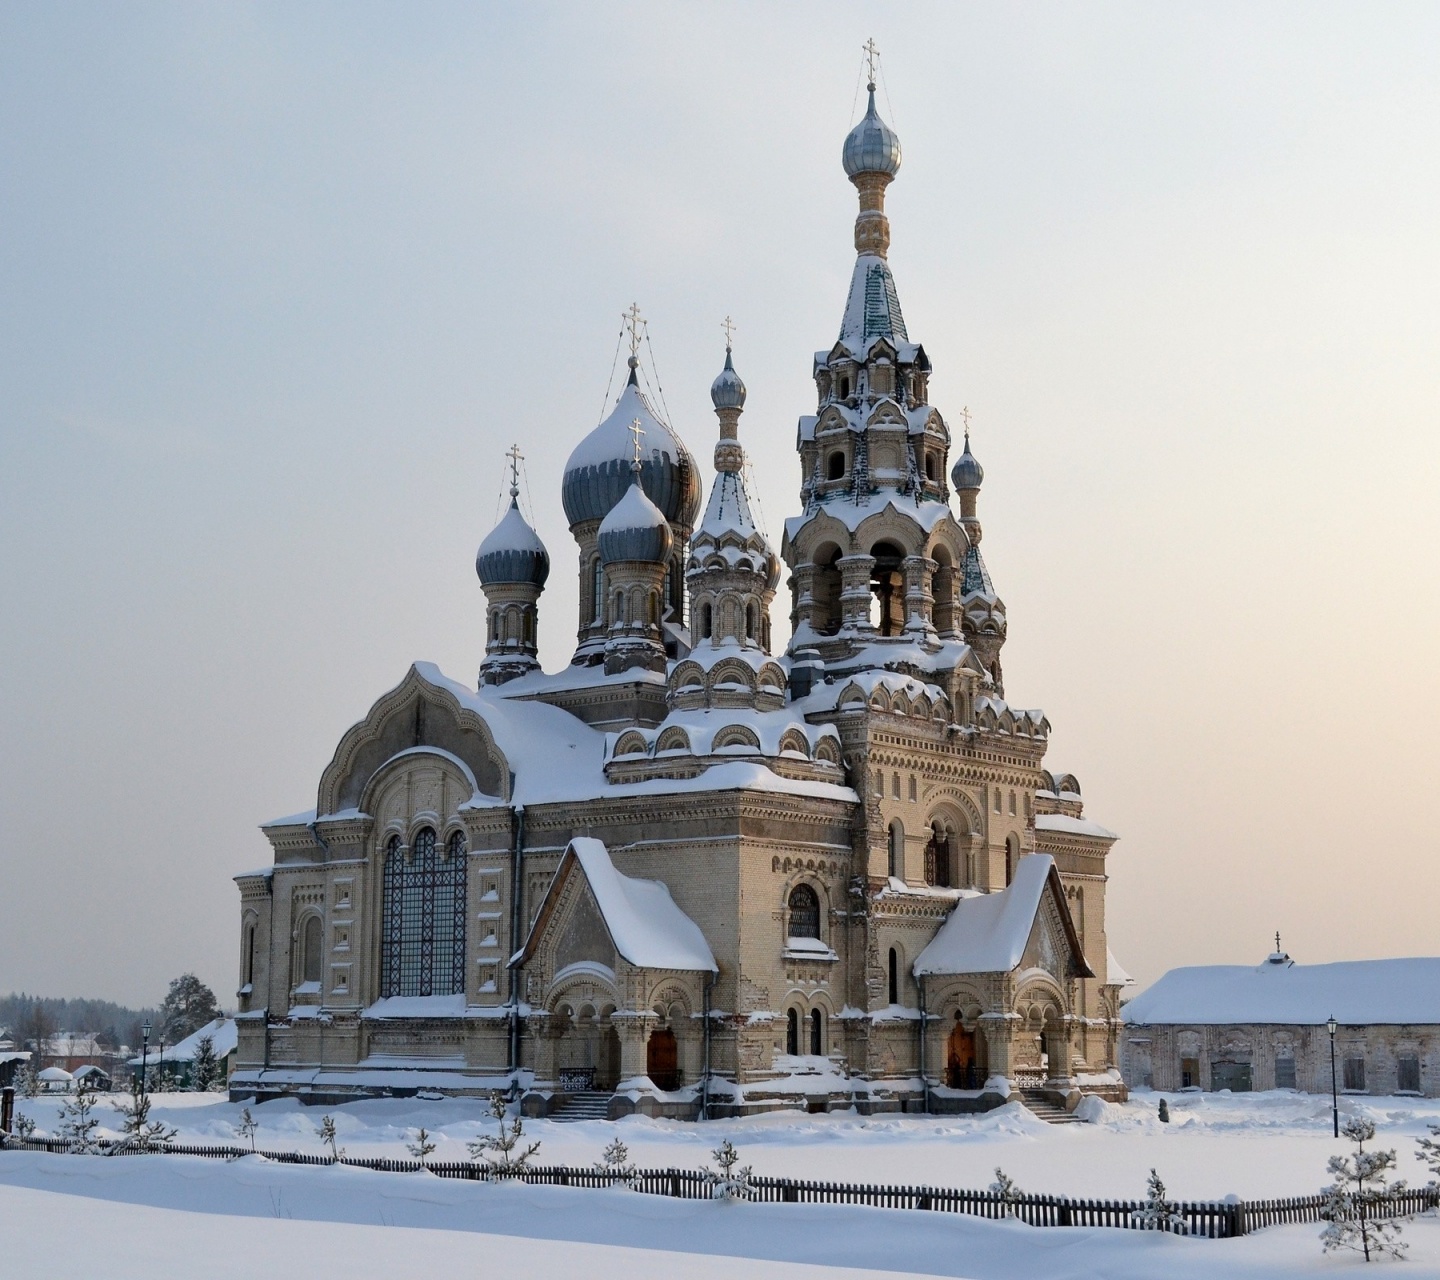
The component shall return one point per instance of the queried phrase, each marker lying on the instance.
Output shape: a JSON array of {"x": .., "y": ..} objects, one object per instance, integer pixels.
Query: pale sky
[{"x": 280, "y": 284}]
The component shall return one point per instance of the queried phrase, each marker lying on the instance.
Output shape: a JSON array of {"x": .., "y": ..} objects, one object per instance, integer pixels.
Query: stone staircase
[
  {"x": 589, "y": 1105},
  {"x": 1041, "y": 1106}
]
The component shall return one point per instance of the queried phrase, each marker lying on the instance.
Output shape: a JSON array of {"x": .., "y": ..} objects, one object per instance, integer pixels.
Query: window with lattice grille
[{"x": 422, "y": 937}]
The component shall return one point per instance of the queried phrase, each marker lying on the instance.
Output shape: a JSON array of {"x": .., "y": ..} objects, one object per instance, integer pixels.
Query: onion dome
[
  {"x": 512, "y": 552},
  {"x": 967, "y": 473},
  {"x": 598, "y": 473},
  {"x": 872, "y": 146},
  {"x": 635, "y": 528},
  {"x": 727, "y": 391}
]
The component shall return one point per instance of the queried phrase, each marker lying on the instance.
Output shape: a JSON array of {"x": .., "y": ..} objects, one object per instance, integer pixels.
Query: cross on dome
[
  {"x": 636, "y": 431},
  {"x": 633, "y": 320},
  {"x": 872, "y": 57},
  {"x": 516, "y": 458},
  {"x": 729, "y": 326}
]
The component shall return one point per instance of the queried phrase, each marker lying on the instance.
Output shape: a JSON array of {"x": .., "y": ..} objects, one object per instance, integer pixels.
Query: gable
[{"x": 577, "y": 931}]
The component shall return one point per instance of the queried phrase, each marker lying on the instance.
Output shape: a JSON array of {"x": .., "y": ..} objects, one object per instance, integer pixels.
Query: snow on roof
[
  {"x": 927, "y": 513},
  {"x": 451, "y": 1006},
  {"x": 1115, "y": 976},
  {"x": 1066, "y": 825},
  {"x": 55, "y": 1073},
  {"x": 1355, "y": 993},
  {"x": 988, "y": 933},
  {"x": 223, "y": 1036},
  {"x": 645, "y": 925}
]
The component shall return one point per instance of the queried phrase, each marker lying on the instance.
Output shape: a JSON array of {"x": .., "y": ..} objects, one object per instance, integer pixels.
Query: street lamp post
[
  {"x": 144, "y": 1052},
  {"x": 1334, "y": 1092}
]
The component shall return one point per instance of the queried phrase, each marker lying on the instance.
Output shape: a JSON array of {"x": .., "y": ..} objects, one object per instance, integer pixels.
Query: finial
[
  {"x": 636, "y": 431},
  {"x": 729, "y": 326},
  {"x": 1277, "y": 942},
  {"x": 965, "y": 418},
  {"x": 872, "y": 56},
  {"x": 516, "y": 458}
]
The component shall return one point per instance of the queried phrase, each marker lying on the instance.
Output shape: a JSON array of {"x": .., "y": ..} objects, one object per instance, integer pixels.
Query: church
[{"x": 690, "y": 875}]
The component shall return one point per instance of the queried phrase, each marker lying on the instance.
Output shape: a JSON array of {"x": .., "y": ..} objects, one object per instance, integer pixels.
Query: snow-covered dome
[
  {"x": 872, "y": 146},
  {"x": 512, "y": 552},
  {"x": 967, "y": 473},
  {"x": 727, "y": 391},
  {"x": 598, "y": 472},
  {"x": 635, "y": 529}
]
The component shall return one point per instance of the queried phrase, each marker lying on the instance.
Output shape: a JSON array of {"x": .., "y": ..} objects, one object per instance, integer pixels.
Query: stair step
[
  {"x": 1042, "y": 1108},
  {"x": 589, "y": 1105}
]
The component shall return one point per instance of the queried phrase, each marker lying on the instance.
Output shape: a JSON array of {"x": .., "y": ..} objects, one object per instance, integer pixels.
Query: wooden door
[
  {"x": 662, "y": 1059},
  {"x": 960, "y": 1069}
]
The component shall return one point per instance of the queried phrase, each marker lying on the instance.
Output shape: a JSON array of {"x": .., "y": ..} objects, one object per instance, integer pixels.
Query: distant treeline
[{"x": 23, "y": 1016}]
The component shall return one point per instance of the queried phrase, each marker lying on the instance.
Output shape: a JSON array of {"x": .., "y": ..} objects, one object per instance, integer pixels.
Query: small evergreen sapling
[
  {"x": 1158, "y": 1213},
  {"x": 246, "y": 1126},
  {"x": 326, "y": 1130},
  {"x": 78, "y": 1123},
  {"x": 500, "y": 1151},
  {"x": 29, "y": 1080},
  {"x": 1361, "y": 1186},
  {"x": 24, "y": 1126},
  {"x": 422, "y": 1148},
  {"x": 616, "y": 1161},
  {"x": 1429, "y": 1153},
  {"x": 1005, "y": 1190},
  {"x": 205, "y": 1068},
  {"x": 141, "y": 1133},
  {"x": 729, "y": 1183}
]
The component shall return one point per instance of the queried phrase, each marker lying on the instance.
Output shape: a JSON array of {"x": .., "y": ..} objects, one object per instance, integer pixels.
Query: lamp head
[
  {"x": 1332, "y": 1024},
  {"x": 145, "y": 1028}
]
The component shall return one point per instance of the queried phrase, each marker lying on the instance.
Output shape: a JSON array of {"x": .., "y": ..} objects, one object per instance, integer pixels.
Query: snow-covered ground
[{"x": 250, "y": 1217}]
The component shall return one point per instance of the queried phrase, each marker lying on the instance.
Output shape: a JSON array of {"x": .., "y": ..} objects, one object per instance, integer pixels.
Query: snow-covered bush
[
  {"x": 423, "y": 1147},
  {"x": 502, "y": 1150},
  {"x": 1158, "y": 1213},
  {"x": 28, "y": 1079},
  {"x": 727, "y": 1182},
  {"x": 246, "y": 1126},
  {"x": 78, "y": 1123},
  {"x": 24, "y": 1126},
  {"x": 1362, "y": 1182},
  {"x": 1164, "y": 1112},
  {"x": 326, "y": 1131},
  {"x": 141, "y": 1133},
  {"x": 1005, "y": 1190}
]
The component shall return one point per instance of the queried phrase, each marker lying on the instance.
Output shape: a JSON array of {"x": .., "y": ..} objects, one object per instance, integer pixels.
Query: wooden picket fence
[{"x": 1210, "y": 1219}]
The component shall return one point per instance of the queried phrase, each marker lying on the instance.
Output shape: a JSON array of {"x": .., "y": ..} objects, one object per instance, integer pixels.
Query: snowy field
[{"x": 157, "y": 1216}]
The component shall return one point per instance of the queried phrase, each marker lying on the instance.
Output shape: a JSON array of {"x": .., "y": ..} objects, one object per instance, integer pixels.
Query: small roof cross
[
  {"x": 636, "y": 431},
  {"x": 1277, "y": 942},
  {"x": 729, "y": 326},
  {"x": 516, "y": 458},
  {"x": 965, "y": 418}
]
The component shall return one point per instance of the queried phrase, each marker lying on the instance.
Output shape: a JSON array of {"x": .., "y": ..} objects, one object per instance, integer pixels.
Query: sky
[{"x": 280, "y": 284}]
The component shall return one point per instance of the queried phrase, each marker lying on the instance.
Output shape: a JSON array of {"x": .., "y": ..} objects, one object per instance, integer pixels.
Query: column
[
  {"x": 855, "y": 593},
  {"x": 919, "y": 599}
]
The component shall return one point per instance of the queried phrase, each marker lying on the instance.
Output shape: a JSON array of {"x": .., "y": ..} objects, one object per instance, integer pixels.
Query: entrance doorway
[
  {"x": 962, "y": 1070},
  {"x": 662, "y": 1059}
]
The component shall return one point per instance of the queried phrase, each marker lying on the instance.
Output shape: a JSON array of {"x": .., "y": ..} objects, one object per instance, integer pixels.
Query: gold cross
[
  {"x": 636, "y": 430},
  {"x": 633, "y": 321},
  {"x": 729, "y": 326},
  {"x": 965, "y": 418},
  {"x": 872, "y": 55},
  {"x": 516, "y": 458}
]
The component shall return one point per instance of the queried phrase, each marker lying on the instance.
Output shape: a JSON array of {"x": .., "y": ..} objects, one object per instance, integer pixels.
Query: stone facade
[{"x": 817, "y": 815}]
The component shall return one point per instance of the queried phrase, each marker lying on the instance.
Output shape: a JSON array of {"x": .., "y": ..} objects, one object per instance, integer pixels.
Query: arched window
[
  {"x": 707, "y": 621},
  {"x": 835, "y": 466},
  {"x": 804, "y": 912},
  {"x": 912, "y": 786},
  {"x": 896, "y": 861},
  {"x": 749, "y": 622},
  {"x": 598, "y": 591},
  {"x": 311, "y": 941},
  {"x": 894, "y": 976},
  {"x": 817, "y": 1033},
  {"x": 895, "y": 785},
  {"x": 619, "y": 619},
  {"x": 937, "y": 858},
  {"x": 932, "y": 468},
  {"x": 422, "y": 932},
  {"x": 844, "y": 388},
  {"x": 1012, "y": 856},
  {"x": 247, "y": 971},
  {"x": 792, "y": 1033},
  {"x": 826, "y": 584}
]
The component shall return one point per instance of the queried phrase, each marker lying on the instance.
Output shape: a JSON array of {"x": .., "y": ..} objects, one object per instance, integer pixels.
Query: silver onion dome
[
  {"x": 598, "y": 472},
  {"x": 967, "y": 473},
  {"x": 872, "y": 146},
  {"x": 635, "y": 529},
  {"x": 727, "y": 391},
  {"x": 512, "y": 552}
]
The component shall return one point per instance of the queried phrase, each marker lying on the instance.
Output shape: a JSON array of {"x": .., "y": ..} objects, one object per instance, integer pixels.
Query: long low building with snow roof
[
  {"x": 690, "y": 873},
  {"x": 1267, "y": 1026}
]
